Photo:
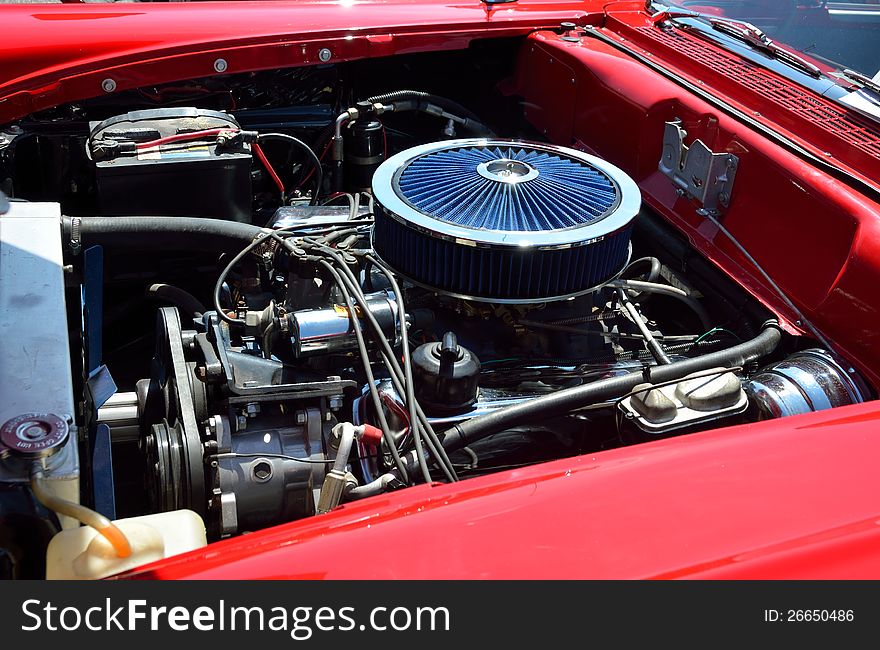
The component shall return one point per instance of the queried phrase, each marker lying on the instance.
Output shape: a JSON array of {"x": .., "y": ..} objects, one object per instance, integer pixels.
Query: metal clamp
[
  {"x": 75, "y": 235},
  {"x": 697, "y": 171}
]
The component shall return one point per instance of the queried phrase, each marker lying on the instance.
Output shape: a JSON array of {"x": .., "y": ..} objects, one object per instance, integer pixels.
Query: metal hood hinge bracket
[{"x": 697, "y": 171}]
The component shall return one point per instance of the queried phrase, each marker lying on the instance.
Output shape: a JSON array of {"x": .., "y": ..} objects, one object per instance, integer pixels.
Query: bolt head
[
  {"x": 241, "y": 421},
  {"x": 324, "y": 54},
  {"x": 300, "y": 417},
  {"x": 108, "y": 85},
  {"x": 220, "y": 65}
]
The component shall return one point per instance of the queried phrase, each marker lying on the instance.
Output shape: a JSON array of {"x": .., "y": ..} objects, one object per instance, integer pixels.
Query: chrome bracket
[{"x": 696, "y": 171}]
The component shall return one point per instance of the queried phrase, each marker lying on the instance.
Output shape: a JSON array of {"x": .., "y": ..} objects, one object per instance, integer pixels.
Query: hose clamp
[{"x": 75, "y": 235}]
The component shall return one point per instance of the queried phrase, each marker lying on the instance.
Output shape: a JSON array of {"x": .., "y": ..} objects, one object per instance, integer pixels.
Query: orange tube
[
  {"x": 85, "y": 515},
  {"x": 117, "y": 539}
]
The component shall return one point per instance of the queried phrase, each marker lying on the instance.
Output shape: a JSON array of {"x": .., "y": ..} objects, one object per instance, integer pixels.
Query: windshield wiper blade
[
  {"x": 864, "y": 82},
  {"x": 671, "y": 14},
  {"x": 742, "y": 31},
  {"x": 754, "y": 36}
]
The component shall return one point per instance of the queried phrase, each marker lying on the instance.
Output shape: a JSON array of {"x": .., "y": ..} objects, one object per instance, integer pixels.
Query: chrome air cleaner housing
[{"x": 503, "y": 221}]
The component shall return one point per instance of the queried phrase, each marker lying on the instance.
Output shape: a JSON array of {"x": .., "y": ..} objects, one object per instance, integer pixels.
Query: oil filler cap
[
  {"x": 446, "y": 375},
  {"x": 34, "y": 435}
]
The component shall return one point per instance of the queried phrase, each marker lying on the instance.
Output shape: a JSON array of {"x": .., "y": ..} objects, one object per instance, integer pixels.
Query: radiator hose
[
  {"x": 165, "y": 233},
  {"x": 571, "y": 399}
]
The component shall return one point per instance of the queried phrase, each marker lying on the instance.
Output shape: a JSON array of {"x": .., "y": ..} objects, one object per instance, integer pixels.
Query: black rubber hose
[
  {"x": 706, "y": 345},
  {"x": 178, "y": 297},
  {"x": 474, "y": 123},
  {"x": 652, "y": 262},
  {"x": 163, "y": 233},
  {"x": 571, "y": 399},
  {"x": 653, "y": 274}
]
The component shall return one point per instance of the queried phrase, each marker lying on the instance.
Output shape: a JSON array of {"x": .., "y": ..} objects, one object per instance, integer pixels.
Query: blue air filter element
[{"x": 503, "y": 221}]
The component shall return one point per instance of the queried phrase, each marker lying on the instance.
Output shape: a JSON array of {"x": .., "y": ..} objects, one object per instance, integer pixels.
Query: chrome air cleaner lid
[{"x": 513, "y": 201}]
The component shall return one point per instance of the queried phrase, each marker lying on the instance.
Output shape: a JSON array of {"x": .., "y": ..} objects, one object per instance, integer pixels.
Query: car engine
[{"x": 258, "y": 297}]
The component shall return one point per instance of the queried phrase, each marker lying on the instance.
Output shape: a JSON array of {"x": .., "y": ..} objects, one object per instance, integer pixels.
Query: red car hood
[
  {"x": 791, "y": 498},
  {"x": 77, "y": 47}
]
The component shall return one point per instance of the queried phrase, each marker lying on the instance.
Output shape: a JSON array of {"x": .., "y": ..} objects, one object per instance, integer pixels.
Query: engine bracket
[{"x": 697, "y": 171}]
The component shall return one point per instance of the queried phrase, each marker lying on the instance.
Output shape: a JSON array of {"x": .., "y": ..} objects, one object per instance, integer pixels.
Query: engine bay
[{"x": 283, "y": 291}]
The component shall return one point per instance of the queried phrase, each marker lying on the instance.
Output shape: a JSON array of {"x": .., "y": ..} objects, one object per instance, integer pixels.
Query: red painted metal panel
[
  {"x": 56, "y": 54},
  {"x": 816, "y": 236},
  {"x": 788, "y": 498},
  {"x": 822, "y": 125}
]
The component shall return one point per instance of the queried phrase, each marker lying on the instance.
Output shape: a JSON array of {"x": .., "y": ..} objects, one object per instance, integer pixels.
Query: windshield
[{"x": 844, "y": 35}]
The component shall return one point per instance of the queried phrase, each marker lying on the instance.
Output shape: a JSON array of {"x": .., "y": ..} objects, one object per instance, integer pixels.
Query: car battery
[{"x": 170, "y": 162}]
